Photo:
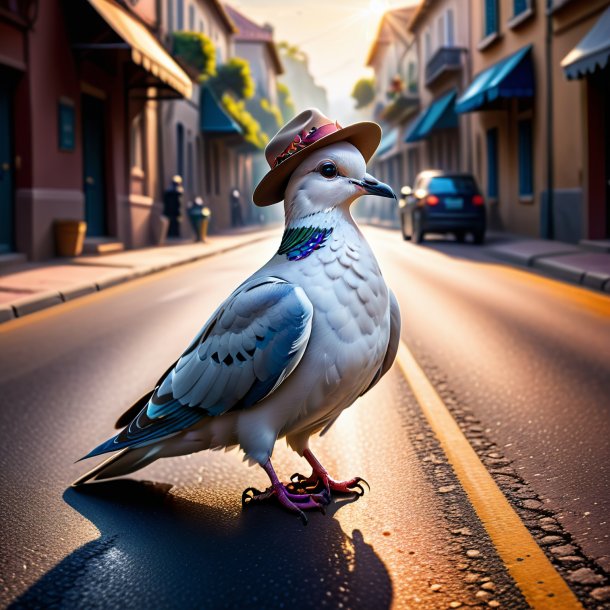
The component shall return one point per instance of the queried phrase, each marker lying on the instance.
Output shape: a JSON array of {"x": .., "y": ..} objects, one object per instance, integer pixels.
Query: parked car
[{"x": 442, "y": 202}]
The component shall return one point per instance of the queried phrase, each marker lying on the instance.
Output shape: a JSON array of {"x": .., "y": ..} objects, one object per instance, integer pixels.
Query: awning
[
  {"x": 213, "y": 118},
  {"x": 146, "y": 50},
  {"x": 440, "y": 114},
  {"x": 592, "y": 52},
  {"x": 511, "y": 77},
  {"x": 388, "y": 142}
]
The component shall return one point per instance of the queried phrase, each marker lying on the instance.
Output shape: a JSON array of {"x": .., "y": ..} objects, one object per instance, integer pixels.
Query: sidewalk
[
  {"x": 587, "y": 264},
  {"x": 29, "y": 287}
]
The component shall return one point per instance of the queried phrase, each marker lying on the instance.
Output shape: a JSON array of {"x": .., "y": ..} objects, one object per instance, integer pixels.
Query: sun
[{"x": 377, "y": 8}]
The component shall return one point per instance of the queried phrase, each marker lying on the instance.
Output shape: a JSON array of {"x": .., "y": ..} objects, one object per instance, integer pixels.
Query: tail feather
[{"x": 121, "y": 463}]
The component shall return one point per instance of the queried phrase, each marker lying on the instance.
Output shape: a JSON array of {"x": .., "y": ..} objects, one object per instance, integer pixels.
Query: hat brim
[{"x": 365, "y": 136}]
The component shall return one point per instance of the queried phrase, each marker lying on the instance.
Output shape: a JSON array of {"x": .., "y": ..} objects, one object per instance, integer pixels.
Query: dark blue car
[{"x": 442, "y": 202}]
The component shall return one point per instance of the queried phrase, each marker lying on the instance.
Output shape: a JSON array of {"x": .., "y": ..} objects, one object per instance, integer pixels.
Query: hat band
[{"x": 305, "y": 139}]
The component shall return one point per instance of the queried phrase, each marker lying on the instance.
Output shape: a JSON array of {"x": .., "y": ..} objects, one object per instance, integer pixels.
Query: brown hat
[{"x": 302, "y": 135}]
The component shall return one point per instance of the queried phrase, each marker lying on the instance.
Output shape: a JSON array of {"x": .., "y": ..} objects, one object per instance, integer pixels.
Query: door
[
  {"x": 93, "y": 165},
  {"x": 6, "y": 169}
]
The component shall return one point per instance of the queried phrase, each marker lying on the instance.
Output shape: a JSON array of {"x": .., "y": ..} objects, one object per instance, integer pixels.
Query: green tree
[
  {"x": 364, "y": 92},
  {"x": 235, "y": 78},
  {"x": 251, "y": 128},
  {"x": 286, "y": 104},
  {"x": 196, "y": 50}
]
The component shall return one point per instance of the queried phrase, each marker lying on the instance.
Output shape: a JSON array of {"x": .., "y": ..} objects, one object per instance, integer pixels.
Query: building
[
  {"x": 537, "y": 155},
  {"x": 393, "y": 59},
  {"x": 581, "y": 120},
  {"x": 255, "y": 44},
  {"x": 201, "y": 143},
  {"x": 438, "y": 137},
  {"x": 79, "y": 90}
]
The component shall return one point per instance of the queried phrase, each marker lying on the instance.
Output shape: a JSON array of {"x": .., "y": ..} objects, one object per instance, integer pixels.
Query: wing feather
[{"x": 254, "y": 340}]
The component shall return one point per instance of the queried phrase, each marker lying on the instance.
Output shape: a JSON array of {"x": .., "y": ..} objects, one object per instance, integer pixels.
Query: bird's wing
[
  {"x": 254, "y": 340},
  {"x": 393, "y": 342}
]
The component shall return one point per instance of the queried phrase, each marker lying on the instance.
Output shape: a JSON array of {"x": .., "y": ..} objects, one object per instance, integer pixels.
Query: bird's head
[{"x": 330, "y": 177}]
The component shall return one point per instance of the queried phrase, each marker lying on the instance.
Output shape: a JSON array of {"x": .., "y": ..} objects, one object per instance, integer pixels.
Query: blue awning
[
  {"x": 388, "y": 141},
  {"x": 440, "y": 114},
  {"x": 592, "y": 52},
  {"x": 213, "y": 118},
  {"x": 511, "y": 77}
]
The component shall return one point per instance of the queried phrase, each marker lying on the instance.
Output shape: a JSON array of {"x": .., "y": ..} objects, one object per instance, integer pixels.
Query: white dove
[{"x": 294, "y": 345}]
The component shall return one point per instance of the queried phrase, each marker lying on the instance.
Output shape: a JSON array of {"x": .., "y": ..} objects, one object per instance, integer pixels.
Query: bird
[{"x": 295, "y": 344}]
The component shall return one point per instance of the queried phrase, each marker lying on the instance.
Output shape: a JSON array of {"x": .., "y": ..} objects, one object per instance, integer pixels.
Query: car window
[{"x": 453, "y": 185}]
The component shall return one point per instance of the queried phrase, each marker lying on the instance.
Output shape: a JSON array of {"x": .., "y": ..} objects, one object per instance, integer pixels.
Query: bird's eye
[{"x": 328, "y": 169}]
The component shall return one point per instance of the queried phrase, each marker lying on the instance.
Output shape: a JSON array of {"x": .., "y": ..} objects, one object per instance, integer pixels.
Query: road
[{"x": 521, "y": 361}]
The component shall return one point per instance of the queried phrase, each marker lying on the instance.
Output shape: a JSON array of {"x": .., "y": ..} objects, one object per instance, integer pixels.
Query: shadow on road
[{"x": 159, "y": 550}]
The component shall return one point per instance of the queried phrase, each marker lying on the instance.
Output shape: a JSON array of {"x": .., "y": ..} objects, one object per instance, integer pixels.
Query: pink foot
[
  {"x": 320, "y": 476},
  {"x": 294, "y": 502}
]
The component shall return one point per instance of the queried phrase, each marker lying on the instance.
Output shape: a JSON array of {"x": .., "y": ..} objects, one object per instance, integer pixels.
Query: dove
[{"x": 296, "y": 343}]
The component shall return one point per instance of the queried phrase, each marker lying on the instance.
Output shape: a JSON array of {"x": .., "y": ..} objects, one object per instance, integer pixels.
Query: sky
[{"x": 335, "y": 34}]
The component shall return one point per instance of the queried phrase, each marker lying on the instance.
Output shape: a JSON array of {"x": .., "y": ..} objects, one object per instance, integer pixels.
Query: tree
[
  {"x": 235, "y": 78},
  {"x": 286, "y": 104},
  {"x": 364, "y": 92},
  {"x": 251, "y": 128},
  {"x": 196, "y": 50}
]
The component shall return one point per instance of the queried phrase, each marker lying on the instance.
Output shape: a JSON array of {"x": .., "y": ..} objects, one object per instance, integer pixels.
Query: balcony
[{"x": 446, "y": 59}]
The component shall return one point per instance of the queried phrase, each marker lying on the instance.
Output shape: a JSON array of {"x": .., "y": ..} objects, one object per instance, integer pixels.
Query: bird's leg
[
  {"x": 319, "y": 475},
  {"x": 294, "y": 502}
]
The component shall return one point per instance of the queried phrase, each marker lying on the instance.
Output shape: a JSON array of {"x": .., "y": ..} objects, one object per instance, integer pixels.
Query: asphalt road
[{"x": 522, "y": 361}]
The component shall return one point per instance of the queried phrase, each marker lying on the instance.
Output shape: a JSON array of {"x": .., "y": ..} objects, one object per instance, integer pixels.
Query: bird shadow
[{"x": 160, "y": 550}]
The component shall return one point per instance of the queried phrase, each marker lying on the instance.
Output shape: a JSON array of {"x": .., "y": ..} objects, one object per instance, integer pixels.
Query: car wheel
[
  {"x": 460, "y": 237},
  {"x": 403, "y": 226},
  {"x": 478, "y": 236},
  {"x": 418, "y": 233}
]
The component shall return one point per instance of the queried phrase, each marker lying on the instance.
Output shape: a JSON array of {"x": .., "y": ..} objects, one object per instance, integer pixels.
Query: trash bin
[
  {"x": 69, "y": 237},
  {"x": 199, "y": 216}
]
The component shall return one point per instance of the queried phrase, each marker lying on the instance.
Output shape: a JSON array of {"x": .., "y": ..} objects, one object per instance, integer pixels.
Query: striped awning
[
  {"x": 592, "y": 52},
  {"x": 146, "y": 50}
]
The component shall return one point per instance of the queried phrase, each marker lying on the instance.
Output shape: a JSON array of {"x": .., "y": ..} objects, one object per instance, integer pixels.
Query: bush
[
  {"x": 364, "y": 92},
  {"x": 234, "y": 77},
  {"x": 253, "y": 132},
  {"x": 287, "y": 107},
  {"x": 196, "y": 50}
]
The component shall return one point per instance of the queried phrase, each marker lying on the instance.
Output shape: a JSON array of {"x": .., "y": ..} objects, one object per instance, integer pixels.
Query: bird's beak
[{"x": 372, "y": 186}]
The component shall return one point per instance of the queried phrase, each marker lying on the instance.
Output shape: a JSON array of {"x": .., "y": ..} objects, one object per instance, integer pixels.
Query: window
[
  {"x": 526, "y": 170},
  {"x": 449, "y": 37},
  {"x": 440, "y": 29},
  {"x": 201, "y": 26},
  {"x": 180, "y": 16},
  {"x": 491, "y": 17},
  {"x": 207, "y": 164},
  {"x": 190, "y": 173},
  {"x": 453, "y": 185},
  {"x": 520, "y": 6},
  {"x": 170, "y": 15},
  {"x": 191, "y": 17},
  {"x": 180, "y": 149},
  {"x": 136, "y": 142},
  {"x": 427, "y": 45},
  {"x": 412, "y": 77},
  {"x": 492, "y": 163}
]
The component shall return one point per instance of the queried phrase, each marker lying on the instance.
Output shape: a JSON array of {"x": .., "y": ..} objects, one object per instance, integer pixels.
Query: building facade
[
  {"x": 202, "y": 152},
  {"x": 541, "y": 165},
  {"x": 79, "y": 84},
  {"x": 439, "y": 137},
  {"x": 394, "y": 61}
]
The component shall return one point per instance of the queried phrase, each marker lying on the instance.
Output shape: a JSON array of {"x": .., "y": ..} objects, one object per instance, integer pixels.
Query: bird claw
[
  {"x": 302, "y": 484},
  {"x": 294, "y": 502}
]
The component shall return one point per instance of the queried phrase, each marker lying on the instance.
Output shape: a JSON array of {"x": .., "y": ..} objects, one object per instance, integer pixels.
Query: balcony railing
[{"x": 446, "y": 59}]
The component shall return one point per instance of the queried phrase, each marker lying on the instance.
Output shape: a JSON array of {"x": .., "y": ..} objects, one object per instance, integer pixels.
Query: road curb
[{"x": 44, "y": 300}]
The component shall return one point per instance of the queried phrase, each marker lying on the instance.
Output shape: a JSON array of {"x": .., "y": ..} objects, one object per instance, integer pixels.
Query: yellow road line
[{"x": 540, "y": 583}]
